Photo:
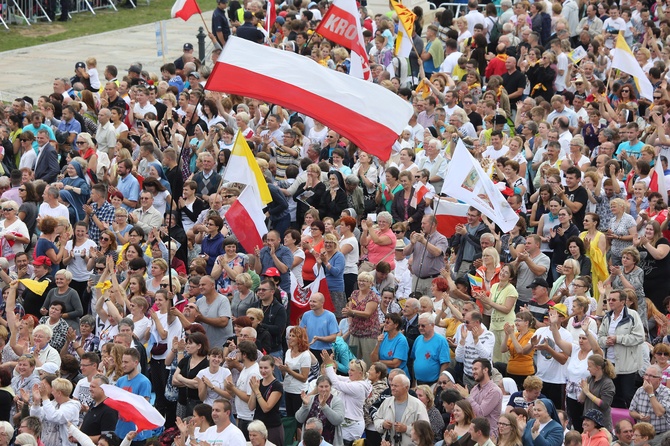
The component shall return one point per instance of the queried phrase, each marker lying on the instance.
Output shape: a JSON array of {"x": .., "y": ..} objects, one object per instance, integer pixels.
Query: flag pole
[
  {"x": 204, "y": 22},
  {"x": 437, "y": 205}
]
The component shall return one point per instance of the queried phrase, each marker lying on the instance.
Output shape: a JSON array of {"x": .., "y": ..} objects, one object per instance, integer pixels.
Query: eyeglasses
[
  {"x": 662, "y": 354},
  {"x": 85, "y": 365},
  {"x": 80, "y": 143},
  {"x": 99, "y": 268},
  {"x": 164, "y": 285},
  {"x": 613, "y": 300},
  {"x": 228, "y": 196},
  {"x": 22, "y": 189},
  {"x": 647, "y": 375},
  {"x": 504, "y": 424},
  {"x": 263, "y": 290},
  {"x": 145, "y": 198}
]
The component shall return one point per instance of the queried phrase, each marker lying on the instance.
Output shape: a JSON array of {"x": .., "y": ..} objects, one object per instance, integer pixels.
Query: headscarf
[
  {"x": 340, "y": 178},
  {"x": 76, "y": 201},
  {"x": 162, "y": 178},
  {"x": 551, "y": 409}
]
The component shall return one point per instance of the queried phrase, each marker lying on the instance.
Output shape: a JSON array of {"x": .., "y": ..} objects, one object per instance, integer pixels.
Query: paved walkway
[{"x": 30, "y": 71}]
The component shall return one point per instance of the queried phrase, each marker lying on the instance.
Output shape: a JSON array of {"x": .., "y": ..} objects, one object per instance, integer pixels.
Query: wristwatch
[{"x": 651, "y": 395}]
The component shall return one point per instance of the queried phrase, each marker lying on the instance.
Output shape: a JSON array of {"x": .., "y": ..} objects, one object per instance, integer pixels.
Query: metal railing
[
  {"x": 31, "y": 11},
  {"x": 457, "y": 8}
]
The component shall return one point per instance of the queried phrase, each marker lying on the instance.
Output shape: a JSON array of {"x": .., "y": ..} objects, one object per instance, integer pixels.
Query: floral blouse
[{"x": 361, "y": 327}]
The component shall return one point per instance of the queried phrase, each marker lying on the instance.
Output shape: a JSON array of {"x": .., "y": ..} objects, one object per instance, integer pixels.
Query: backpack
[
  {"x": 545, "y": 32},
  {"x": 496, "y": 31}
]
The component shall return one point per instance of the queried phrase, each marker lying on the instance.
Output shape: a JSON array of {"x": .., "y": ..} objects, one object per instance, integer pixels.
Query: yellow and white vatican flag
[{"x": 625, "y": 61}]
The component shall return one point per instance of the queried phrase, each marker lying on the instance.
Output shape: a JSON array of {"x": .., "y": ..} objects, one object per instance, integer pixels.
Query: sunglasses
[
  {"x": 397, "y": 231},
  {"x": 21, "y": 189},
  {"x": 164, "y": 285},
  {"x": 80, "y": 143},
  {"x": 99, "y": 268},
  {"x": 7, "y": 209},
  {"x": 105, "y": 239}
]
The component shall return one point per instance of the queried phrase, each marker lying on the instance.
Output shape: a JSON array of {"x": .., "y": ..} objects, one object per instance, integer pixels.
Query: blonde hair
[{"x": 62, "y": 385}]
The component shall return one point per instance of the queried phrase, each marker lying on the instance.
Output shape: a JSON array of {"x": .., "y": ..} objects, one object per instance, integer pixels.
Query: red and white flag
[
  {"x": 341, "y": 24},
  {"x": 657, "y": 183},
  {"x": 247, "y": 221},
  {"x": 366, "y": 114},
  {"x": 420, "y": 191},
  {"x": 300, "y": 296},
  {"x": 450, "y": 214},
  {"x": 270, "y": 16},
  {"x": 184, "y": 9},
  {"x": 133, "y": 408}
]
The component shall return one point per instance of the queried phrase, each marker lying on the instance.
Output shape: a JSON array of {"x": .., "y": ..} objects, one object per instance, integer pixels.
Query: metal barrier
[
  {"x": 458, "y": 8},
  {"x": 31, "y": 11}
]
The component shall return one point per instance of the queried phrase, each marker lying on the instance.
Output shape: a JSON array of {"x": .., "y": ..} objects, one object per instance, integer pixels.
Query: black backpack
[{"x": 496, "y": 31}]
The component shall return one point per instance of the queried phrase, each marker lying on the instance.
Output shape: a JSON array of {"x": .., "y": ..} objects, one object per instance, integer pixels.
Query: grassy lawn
[{"x": 84, "y": 24}]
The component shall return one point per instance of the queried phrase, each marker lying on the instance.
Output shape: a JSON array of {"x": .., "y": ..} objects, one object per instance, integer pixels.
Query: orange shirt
[{"x": 520, "y": 364}]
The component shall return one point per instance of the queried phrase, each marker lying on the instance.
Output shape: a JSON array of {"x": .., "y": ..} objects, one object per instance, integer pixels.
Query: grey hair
[
  {"x": 25, "y": 439},
  {"x": 430, "y": 317},
  {"x": 404, "y": 379},
  {"x": 314, "y": 421},
  {"x": 385, "y": 216},
  {"x": 9, "y": 430},
  {"x": 258, "y": 426}
]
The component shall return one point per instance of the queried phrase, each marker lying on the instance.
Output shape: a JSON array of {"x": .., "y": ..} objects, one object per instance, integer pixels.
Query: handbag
[{"x": 159, "y": 348}]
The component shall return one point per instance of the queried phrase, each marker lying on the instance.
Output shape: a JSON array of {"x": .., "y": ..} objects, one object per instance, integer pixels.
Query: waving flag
[
  {"x": 300, "y": 296},
  {"x": 403, "y": 42},
  {"x": 420, "y": 191},
  {"x": 625, "y": 61},
  {"x": 37, "y": 287},
  {"x": 468, "y": 182},
  {"x": 184, "y": 9},
  {"x": 271, "y": 16},
  {"x": 133, "y": 408},
  {"x": 341, "y": 25},
  {"x": 243, "y": 168},
  {"x": 247, "y": 221},
  {"x": 450, "y": 214},
  {"x": 368, "y": 115}
]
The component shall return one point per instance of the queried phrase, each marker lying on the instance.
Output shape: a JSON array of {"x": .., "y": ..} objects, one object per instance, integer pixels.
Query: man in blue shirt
[
  {"x": 37, "y": 124},
  {"x": 133, "y": 381},
  {"x": 630, "y": 148},
  {"x": 70, "y": 126},
  {"x": 430, "y": 352},
  {"x": 128, "y": 185},
  {"x": 321, "y": 326}
]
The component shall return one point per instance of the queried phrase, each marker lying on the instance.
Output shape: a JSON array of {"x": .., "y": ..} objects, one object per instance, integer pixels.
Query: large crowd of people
[{"x": 118, "y": 265}]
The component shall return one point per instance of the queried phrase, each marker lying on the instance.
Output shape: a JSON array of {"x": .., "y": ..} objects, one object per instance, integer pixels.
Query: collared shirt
[
  {"x": 106, "y": 136},
  {"x": 72, "y": 126},
  {"x": 130, "y": 188},
  {"x": 425, "y": 264},
  {"x": 642, "y": 403},
  {"x": 486, "y": 402},
  {"x": 105, "y": 213},
  {"x": 148, "y": 219}
]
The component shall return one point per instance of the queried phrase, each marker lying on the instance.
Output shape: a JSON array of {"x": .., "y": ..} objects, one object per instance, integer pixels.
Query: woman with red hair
[{"x": 296, "y": 367}]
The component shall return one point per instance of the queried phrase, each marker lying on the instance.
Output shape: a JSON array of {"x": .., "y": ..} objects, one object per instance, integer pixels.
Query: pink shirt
[{"x": 377, "y": 253}]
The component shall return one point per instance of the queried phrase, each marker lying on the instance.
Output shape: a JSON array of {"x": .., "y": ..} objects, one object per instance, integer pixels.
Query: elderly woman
[
  {"x": 622, "y": 230},
  {"x": 243, "y": 296},
  {"x": 405, "y": 207},
  {"x": 380, "y": 241},
  {"x": 630, "y": 276},
  {"x": 84, "y": 342},
  {"x": 325, "y": 406},
  {"x": 654, "y": 261},
  {"x": 563, "y": 286},
  {"x": 258, "y": 434},
  {"x": 44, "y": 352},
  {"x": 545, "y": 428},
  {"x": 75, "y": 190},
  {"x": 353, "y": 390},
  {"x": 72, "y": 305},
  {"x": 333, "y": 263},
  {"x": 227, "y": 267},
  {"x": 364, "y": 323},
  {"x": 14, "y": 234},
  {"x": 55, "y": 321}
]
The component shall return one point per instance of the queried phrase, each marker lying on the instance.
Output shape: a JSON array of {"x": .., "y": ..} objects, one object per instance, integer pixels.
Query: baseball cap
[
  {"x": 48, "y": 367},
  {"x": 271, "y": 272},
  {"x": 135, "y": 69},
  {"x": 188, "y": 47},
  {"x": 42, "y": 260},
  {"x": 248, "y": 15},
  {"x": 538, "y": 282},
  {"x": 195, "y": 74},
  {"x": 79, "y": 65}
]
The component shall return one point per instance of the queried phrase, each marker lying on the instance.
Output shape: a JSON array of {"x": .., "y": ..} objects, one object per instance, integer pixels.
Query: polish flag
[
  {"x": 420, "y": 191},
  {"x": 133, "y": 408},
  {"x": 366, "y": 114},
  {"x": 184, "y": 9},
  {"x": 449, "y": 215},
  {"x": 270, "y": 16},
  {"x": 300, "y": 296},
  {"x": 341, "y": 24},
  {"x": 247, "y": 221}
]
